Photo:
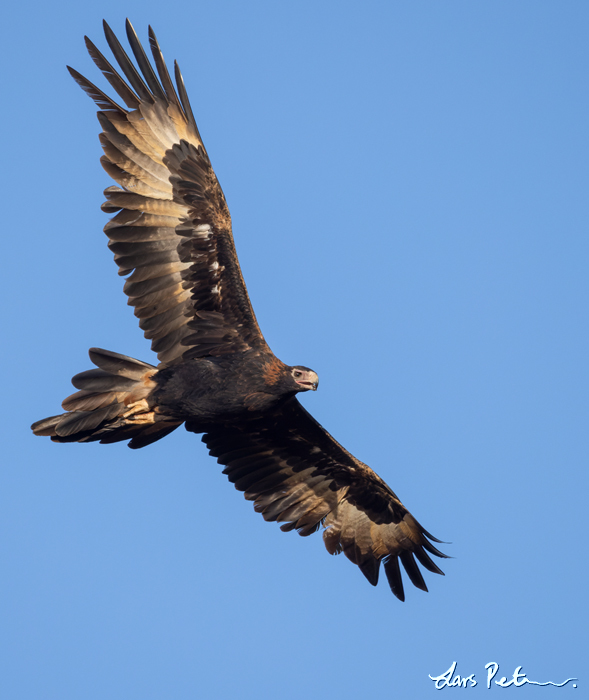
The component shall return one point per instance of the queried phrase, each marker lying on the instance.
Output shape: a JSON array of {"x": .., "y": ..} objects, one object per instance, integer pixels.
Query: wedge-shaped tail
[{"x": 111, "y": 404}]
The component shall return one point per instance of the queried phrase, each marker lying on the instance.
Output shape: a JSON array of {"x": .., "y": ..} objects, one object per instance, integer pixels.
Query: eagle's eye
[{"x": 296, "y": 373}]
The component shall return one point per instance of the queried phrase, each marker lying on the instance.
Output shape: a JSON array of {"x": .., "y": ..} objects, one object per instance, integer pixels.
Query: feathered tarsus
[{"x": 171, "y": 236}]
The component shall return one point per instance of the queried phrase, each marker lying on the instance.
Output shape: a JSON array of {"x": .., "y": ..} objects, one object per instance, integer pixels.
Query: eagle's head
[{"x": 305, "y": 378}]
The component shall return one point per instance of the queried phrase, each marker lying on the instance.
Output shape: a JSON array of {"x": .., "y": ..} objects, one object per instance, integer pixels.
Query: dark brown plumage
[{"x": 171, "y": 234}]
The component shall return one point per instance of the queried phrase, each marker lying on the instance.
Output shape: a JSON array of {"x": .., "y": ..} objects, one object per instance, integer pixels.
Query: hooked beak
[{"x": 308, "y": 380}]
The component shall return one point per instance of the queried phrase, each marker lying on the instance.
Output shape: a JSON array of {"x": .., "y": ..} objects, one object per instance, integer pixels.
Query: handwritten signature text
[{"x": 450, "y": 679}]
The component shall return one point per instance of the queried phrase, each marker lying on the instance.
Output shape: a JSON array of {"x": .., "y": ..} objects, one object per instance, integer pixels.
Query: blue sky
[{"x": 408, "y": 187}]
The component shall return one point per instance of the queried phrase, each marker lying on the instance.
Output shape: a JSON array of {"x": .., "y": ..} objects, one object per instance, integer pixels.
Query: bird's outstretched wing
[
  {"x": 172, "y": 228},
  {"x": 296, "y": 473}
]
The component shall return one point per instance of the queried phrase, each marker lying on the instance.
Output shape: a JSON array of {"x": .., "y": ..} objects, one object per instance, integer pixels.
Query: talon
[
  {"x": 136, "y": 407},
  {"x": 143, "y": 418}
]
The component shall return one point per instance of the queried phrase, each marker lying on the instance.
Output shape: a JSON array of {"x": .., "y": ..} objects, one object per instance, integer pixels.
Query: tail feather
[
  {"x": 99, "y": 380},
  {"x": 115, "y": 363},
  {"x": 46, "y": 427},
  {"x": 90, "y": 401},
  {"x": 86, "y": 421},
  {"x": 97, "y": 412}
]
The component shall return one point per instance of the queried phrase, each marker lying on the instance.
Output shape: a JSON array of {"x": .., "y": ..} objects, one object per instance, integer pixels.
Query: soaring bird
[{"x": 171, "y": 234}]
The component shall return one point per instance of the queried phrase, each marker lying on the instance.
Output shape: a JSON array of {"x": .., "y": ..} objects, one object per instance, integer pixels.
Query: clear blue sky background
[{"x": 408, "y": 185}]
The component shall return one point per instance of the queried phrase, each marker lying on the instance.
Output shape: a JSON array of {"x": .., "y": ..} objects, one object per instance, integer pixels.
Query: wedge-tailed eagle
[{"x": 171, "y": 234}]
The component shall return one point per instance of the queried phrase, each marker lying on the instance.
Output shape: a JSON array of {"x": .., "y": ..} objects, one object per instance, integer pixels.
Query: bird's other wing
[
  {"x": 172, "y": 229},
  {"x": 296, "y": 473}
]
